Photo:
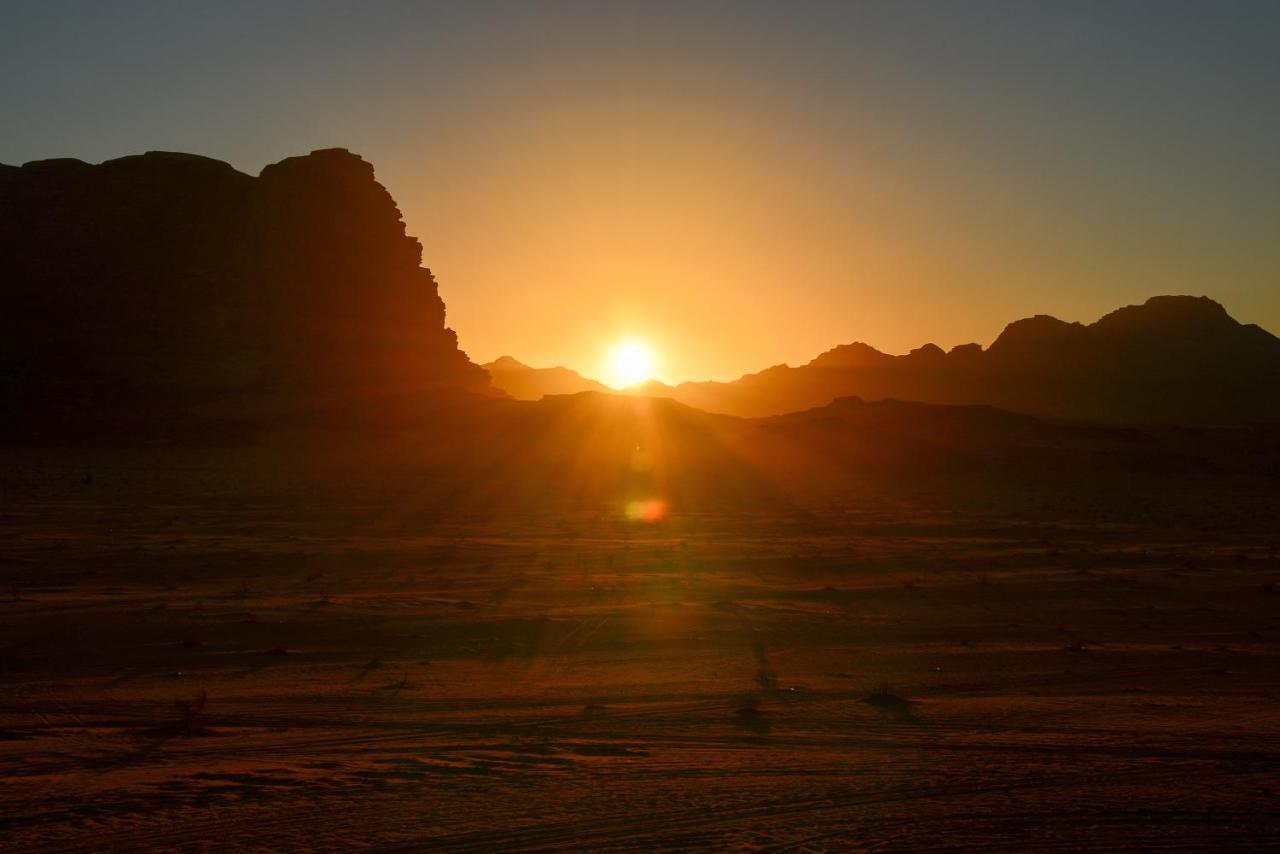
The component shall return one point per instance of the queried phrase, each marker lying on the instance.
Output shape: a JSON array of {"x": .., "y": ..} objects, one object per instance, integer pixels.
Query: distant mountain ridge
[
  {"x": 166, "y": 295},
  {"x": 1173, "y": 359},
  {"x": 525, "y": 383}
]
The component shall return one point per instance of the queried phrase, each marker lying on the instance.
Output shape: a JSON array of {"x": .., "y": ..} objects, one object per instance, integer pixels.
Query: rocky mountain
[
  {"x": 149, "y": 294},
  {"x": 525, "y": 383},
  {"x": 1174, "y": 359},
  {"x": 160, "y": 295}
]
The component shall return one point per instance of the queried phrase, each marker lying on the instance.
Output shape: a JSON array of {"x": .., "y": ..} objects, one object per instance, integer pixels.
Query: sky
[{"x": 737, "y": 184}]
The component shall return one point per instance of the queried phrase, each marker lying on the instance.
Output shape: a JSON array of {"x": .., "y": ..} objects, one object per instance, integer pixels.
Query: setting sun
[{"x": 630, "y": 362}]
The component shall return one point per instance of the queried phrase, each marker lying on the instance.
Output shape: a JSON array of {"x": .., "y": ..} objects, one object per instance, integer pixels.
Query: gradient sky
[{"x": 740, "y": 184}]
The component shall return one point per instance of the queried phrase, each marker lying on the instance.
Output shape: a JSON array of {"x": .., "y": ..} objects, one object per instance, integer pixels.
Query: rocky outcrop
[
  {"x": 157, "y": 293},
  {"x": 1173, "y": 359}
]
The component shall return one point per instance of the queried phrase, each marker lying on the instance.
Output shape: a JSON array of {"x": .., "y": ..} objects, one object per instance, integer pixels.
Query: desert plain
[{"x": 199, "y": 653}]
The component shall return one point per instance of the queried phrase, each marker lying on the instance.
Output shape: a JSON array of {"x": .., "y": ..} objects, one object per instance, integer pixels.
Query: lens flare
[{"x": 647, "y": 510}]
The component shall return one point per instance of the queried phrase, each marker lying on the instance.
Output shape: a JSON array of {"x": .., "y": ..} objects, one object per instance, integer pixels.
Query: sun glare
[{"x": 630, "y": 362}]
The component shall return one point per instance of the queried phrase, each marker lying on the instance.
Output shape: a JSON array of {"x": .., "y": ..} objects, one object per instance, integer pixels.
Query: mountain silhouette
[
  {"x": 1173, "y": 359},
  {"x": 153, "y": 292},
  {"x": 525, "y": 383},
  {"x": 164, "y": 295}
]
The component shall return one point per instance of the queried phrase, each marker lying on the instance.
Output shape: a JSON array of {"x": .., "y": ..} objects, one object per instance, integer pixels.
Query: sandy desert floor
[{"x": 194, "y": 665}]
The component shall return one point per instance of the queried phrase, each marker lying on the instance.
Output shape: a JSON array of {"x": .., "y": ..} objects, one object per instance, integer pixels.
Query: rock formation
[
  {"x": 1174, "y": 359},
  {"x": 160, "y": 293}
]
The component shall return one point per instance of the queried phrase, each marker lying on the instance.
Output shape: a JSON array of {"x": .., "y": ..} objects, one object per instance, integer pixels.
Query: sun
[{"x": 630, "y": 362}]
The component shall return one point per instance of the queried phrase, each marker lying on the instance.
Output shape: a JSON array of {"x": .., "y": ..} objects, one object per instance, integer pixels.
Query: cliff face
[{"x": 162, "y": 290}]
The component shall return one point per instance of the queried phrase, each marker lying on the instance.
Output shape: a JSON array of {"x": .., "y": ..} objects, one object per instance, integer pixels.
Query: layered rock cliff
[{"x": 162, "y": 291}]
